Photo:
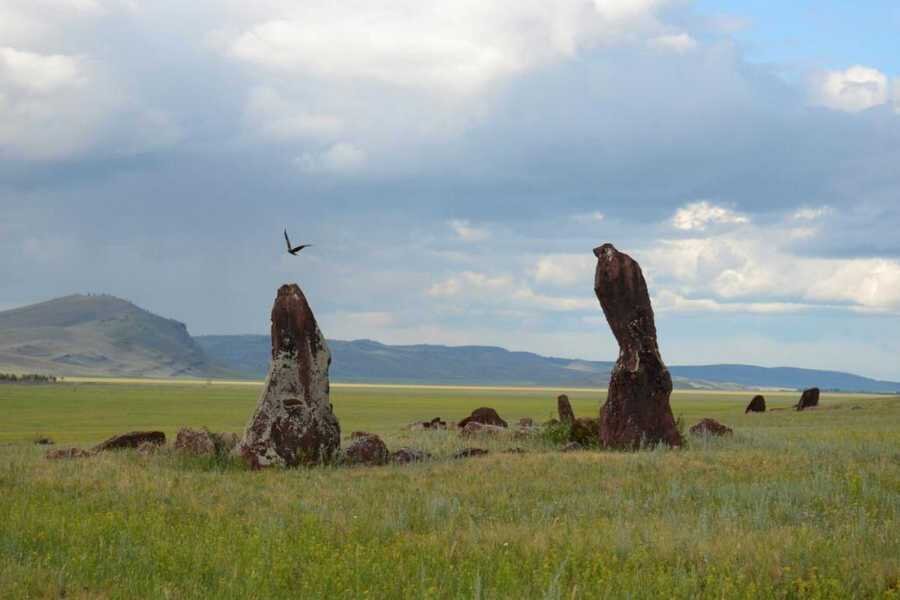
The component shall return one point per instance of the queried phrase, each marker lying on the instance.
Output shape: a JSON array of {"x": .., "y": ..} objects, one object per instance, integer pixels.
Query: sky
[{"x": 454, "y": 163}]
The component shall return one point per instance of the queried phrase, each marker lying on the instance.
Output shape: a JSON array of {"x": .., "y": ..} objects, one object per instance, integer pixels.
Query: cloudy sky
[{"x": 455, "y": 162}]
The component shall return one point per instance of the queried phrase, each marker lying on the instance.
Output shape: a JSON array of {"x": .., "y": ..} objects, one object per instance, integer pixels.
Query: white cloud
[
  {"x": 564, "y": 269},
  {"x": 812, "y": 214},
  {"x": 753, "y": 269},
  {"x": 591, "y": 217},
  {"x": 697, "y": 216},
  {"x": 851, "y": 90},
  {"x": 457, "y": 47},
  {"x": 342, "y": 157},
  {"x": 466, "y": 232},
  {"x": 277, "y": 118},
  {"x": 470, "y": 282},
  {"x": 52, "y": 105},
  {"x": 503, "y": 291},
  {"x": 677, "y": 42},
  {"x": 669, "y": 301}
]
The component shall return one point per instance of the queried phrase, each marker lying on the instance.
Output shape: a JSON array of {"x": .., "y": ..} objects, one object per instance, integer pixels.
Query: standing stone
[
  {"x": 637, "y": 410},
  {"x": 758, "y": 404},
  {"x": 293, "y": 423},
  {"x": 564, "y": 408},
  {"x": 809, "y": 399}
]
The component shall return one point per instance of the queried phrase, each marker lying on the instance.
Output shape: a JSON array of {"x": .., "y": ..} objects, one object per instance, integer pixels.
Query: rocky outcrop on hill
[
  {"x": 637, "y": 409},
  {"x": 293, "y": 423}
]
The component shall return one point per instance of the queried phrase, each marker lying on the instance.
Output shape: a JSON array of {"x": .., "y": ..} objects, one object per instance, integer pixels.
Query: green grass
[{"x": 794, "y": 505}]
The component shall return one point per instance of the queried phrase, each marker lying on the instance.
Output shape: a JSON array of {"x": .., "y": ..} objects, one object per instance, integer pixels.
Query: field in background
[
  {"x": 89, "y": 412},
  {"x": 794, "y": 505}
]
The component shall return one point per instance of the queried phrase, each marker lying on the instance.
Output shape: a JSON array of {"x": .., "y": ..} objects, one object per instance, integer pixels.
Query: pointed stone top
[
  {"x": 292, "y": 320},
  {"x": 607, "y": 250}
]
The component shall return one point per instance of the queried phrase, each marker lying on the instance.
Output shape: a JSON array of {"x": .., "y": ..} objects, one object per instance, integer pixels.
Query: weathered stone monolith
[
  {"x": 293, "y": 423},
  {"x": 564, "y": 409},
  {"x": 637, "y": 410}
]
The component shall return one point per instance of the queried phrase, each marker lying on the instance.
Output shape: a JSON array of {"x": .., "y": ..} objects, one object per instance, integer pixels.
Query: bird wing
[{"x": 288, "y": 240}]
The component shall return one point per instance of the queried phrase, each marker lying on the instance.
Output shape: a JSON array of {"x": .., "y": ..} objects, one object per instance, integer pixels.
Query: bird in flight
[{"x": 294, "y": 249}]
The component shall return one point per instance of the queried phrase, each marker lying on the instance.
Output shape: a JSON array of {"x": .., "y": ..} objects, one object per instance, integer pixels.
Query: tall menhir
[
  {"x": 637, "y": 410},
  {"x": 293, "y": 423}
]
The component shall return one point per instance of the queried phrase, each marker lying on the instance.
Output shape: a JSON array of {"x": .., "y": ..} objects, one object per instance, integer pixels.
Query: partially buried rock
[
  {"x": 404, "y": 456},
  {"x": 225, "y": 441},
  {"x": 758, "y": 404},
  {"x": 585, "y": 432},
  {"x": 293, "y": 423},
  {"x": 132, "y": 439},
  {"x": 66, "y": 453},
  {"x": 485, "y": 416},
  {"x": 194, "y": 441},
  {"x": 148, "y": 449},
  {"x": 564, "y": 408},
  {"x": 637, "y": 410},
  {"x": 808, "y": 399},
  {"x": 710, "y": 427},
  {"x": 474, "y": 428},
  {"x": 469, "y": 453},
  {"x": 366, "y": 449}
]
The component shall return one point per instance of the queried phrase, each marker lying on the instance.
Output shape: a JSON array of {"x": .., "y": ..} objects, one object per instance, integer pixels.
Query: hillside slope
[{"x": 98, "y": 335}]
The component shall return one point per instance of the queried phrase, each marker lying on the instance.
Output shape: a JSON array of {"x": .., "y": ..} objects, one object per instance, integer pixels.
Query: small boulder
[
  {"x": 66, "y": 453},
  {"x": 808, "y": 399},
  {"x": 404, "y": 456},
  {"x": 564, "y": 408},
  {"x": 758, "y": 404},
  {"x": 435, "y": 423},
  {"x": 469, "y": 453},
  {"x": 526, "y": 422},
  {"x": 196, "y": 442},
  {"x": 710, "y": 427},
  {"x": 225, "y": 441},
  {"x": 366, "y": 449},
  {"x": 132, "y": 439},
  {"x": 485, "y": 416}
]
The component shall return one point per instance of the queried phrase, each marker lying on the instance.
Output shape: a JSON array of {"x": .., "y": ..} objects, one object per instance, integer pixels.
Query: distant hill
[
  {"x": 369, "y": 361},
  {"x": 98, "y": 335},
  {"x": 102, "y": 335}
]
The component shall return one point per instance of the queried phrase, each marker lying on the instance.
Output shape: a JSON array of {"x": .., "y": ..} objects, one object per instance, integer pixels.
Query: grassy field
[{"x": 794, "y": 505}]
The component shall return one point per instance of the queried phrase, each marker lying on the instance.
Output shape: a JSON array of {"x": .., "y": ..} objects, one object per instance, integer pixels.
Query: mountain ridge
[{"x": 101, "y": 335}]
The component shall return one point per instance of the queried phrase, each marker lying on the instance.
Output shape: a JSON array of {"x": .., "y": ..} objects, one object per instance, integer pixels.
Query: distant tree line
[{"x": 27, "y": 378}]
